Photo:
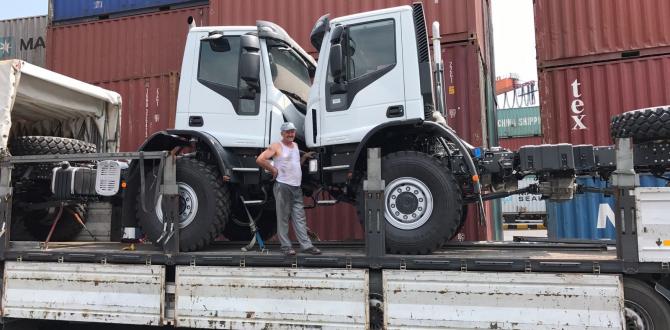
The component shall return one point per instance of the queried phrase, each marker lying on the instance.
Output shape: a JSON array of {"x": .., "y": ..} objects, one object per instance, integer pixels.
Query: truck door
[
  {"x": 371, "y": 88},
  {"x": 221, "y": 103}
]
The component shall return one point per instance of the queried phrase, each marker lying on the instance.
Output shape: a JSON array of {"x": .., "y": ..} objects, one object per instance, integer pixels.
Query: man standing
[{"x": 287, "y": 174}]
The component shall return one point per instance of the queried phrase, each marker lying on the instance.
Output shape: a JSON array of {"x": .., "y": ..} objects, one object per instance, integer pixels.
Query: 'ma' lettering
[{"x": 30, "y": 44}]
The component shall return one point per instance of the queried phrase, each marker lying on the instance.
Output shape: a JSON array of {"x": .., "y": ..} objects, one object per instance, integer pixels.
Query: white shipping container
[
  {"x": 24, "y": 39},
  {"x": 524, "y": 205}
]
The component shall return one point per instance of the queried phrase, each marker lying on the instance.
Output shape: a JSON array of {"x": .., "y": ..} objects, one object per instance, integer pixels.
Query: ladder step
[
  {"x": 327, "y": 202},
  {"x": 253, "y": 202}
]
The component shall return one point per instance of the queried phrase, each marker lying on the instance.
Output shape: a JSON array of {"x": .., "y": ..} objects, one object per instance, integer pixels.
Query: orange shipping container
[
  {"x": 149, "y": 105},
  {"x": 123, "y": 48},
  {"x": 460, "y": 20},
  {"x": 578, "y": 102},
  {"x": 582, "y": 31}
]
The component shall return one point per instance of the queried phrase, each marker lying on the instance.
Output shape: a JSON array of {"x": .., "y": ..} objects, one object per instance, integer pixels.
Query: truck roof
[{"x": 372, "y": 13}]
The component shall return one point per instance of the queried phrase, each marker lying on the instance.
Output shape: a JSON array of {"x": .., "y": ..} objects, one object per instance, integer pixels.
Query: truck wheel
[
  {"x": 38, "y": 222},
  {"x": 204, "y": 205},
  {"x": 423, "y": 203},
  {"x": 644, "y": 307},
  {"x": 237, "y": 229},
  {"x": 642, "y": 125}
]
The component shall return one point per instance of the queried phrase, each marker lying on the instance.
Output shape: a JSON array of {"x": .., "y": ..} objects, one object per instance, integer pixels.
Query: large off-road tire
[
  {"x": 423, "y": 203},
  {"x": 204, "y": 204},
  {"x": 237, "y": 229},
  {"x": 45, "y": 145},
  {"x": 644, "y": 307},
  {"x": 38, "y": 222},
  {"x": 642, "y": 125}
]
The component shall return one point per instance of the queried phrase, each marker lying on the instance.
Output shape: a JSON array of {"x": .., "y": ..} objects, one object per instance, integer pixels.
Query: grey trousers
[{"x": 289, "y": 203}]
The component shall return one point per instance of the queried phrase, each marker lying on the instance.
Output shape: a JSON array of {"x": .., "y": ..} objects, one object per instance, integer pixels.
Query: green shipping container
[{"x": 518, "y": 122}]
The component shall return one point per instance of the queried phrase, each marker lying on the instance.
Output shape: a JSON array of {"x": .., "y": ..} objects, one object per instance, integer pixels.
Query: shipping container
[
  {"x": 518, "y": 122},
  {"x": 583, "y": 31},
  {"x": 75, "y": 10},
  {"x": 515, "y": 143},
  {"x": 465, "y": 84},
  {"x": 460, "y": 20},
  {"x": 524, "y": 206},
  {"x": 24, "y": 39},
  {"x": 578, "y": 102},
  {"x": 149, "y": 105},
  {"x": 124, "y": 48},
  {"x": 588, "y": 216}
]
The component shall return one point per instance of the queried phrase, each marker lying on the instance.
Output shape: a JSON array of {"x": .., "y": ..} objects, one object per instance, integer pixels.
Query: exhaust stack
[{"x": 438, "y": 71}]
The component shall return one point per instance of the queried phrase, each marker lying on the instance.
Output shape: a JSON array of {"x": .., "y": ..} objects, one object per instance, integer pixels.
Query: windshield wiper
[{"x": 293, "y": 96}]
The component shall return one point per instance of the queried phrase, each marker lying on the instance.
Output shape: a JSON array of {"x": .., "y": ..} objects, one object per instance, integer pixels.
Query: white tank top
[{"x": 288, "y": 165}]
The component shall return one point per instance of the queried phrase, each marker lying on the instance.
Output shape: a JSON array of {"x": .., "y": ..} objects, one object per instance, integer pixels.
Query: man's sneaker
[
  {"x": 288, "y": 252},
  {"x": 312, "y": 250}
]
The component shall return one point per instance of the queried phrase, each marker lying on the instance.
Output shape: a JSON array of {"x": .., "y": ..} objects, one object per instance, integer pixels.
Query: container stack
[
  {"x": 597, "y": 59},
  {"x": 24, "y": 39},
  {"x": 132, "y": 47},
  {"x": 464, "y": 26}
]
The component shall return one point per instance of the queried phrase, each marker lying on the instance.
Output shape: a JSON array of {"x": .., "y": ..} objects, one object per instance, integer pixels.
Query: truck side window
[
  {"x": 219, "y": 62},
  {"x": 290, "y": 75},
  {"x": 371, "y": 47}
]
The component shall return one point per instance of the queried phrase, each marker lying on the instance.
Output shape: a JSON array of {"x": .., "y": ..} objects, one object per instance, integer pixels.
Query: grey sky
[{"x": 23, "y": 8}]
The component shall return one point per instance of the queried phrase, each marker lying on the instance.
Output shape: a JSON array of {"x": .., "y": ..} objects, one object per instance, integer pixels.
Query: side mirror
[
  {"x": 336, "y": 63},
  {"x": 250, "y": 61}
]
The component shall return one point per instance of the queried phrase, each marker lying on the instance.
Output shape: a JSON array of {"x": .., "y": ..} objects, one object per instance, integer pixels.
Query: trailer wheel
[
  {"x": 38, "y": 222},
  {"x": 423, "y": 203},
  {"x": 644, "y": 307},
  {"x": 204, "y": 205},
  {"x": 237, "y": 229},
  {"x": 642, "y": 125}
]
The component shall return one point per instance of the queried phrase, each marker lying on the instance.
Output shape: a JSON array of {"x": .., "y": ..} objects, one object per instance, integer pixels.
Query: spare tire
[
  {"x": 45, "y": 145},
  {"x": 642, "y": 125}
]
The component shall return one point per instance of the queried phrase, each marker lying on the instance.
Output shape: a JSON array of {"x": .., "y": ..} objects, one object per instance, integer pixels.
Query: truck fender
[{"x": 414, "y": 125}]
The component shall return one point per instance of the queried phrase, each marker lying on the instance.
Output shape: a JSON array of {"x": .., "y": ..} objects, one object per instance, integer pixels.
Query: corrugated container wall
[
  {"x": 117, "y": 49},
  {"x": 582, "y": 31},
  {"x": 69, "y": 10},
  {"x": 464, "y": 80},
  {"x": 149, "y": 105},
  {"x": 519, "y": 122},
  {"x": 578, "y": 102},
  {"x": 515, "y": 143},
  {"x": 24, "y": 39},
  {"x": 588, "y": 216},
  {"x": 460, "y": 20}
]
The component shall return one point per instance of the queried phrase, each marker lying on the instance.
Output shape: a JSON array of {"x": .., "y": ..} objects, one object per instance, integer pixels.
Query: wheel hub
[
  {"x": 188, "y": 205},
  {"x": 409, "y": 203},
  {"x": 636, "y": 318}
]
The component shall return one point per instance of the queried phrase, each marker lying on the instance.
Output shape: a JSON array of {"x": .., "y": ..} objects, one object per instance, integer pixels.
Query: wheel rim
[
  {"x": 188, "y": 205},
  {"x": 409, "y": 203},
  {"x": 637, "y": 317}
]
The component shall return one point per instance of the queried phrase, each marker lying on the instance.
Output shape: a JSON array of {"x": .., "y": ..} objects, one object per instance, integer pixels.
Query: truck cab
[{"x": 214, "y": 96}]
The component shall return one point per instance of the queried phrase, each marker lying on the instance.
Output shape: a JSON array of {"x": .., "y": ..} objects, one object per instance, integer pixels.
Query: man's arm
[
  {"x": 305, "y": 156},
  {"x": 263, "y": 160}
]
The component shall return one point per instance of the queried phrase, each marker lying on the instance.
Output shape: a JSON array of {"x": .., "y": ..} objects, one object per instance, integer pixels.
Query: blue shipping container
[
  {"x": 588, "y": 216},
  {"x": 72, "y": 10}
]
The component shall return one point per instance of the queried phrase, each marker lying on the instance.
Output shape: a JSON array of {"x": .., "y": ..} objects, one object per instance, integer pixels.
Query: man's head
[{"x": 288, "y": 132}]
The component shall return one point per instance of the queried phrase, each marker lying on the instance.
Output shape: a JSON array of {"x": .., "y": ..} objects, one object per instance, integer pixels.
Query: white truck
[{"x": 358, "y": 102}]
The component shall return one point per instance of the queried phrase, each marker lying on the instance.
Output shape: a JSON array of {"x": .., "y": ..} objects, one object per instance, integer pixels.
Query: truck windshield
[{"x": 290, "y": 74}]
